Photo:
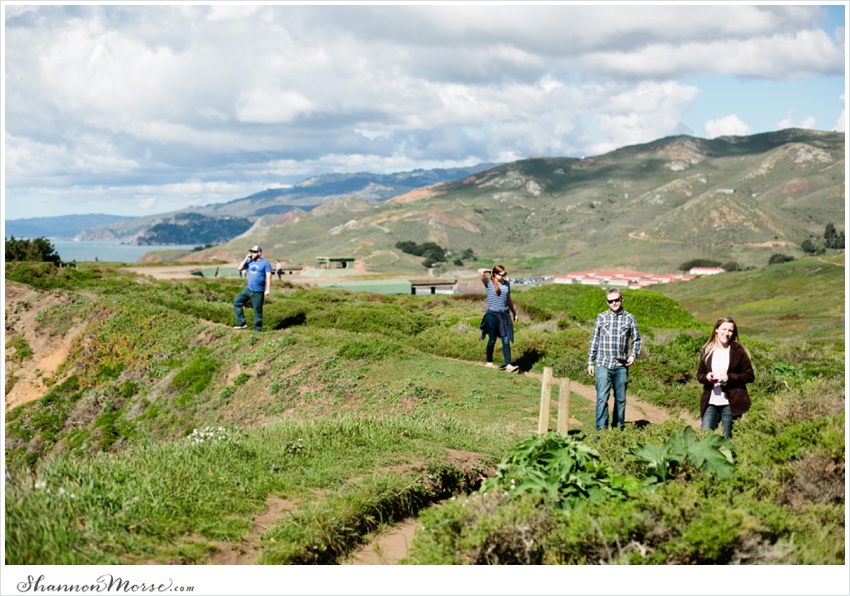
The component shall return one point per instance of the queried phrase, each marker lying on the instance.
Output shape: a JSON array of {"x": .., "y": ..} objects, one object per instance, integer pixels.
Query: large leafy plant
[
  {"x": 560, "y": 469},
  {"x": 683, "y": 454}
]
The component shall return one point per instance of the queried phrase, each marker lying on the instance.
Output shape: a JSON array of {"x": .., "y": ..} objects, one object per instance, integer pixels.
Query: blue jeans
[
  {"x": 713, "y": 414},
  {"x": 256, "y": 299},
  {"x": 605, "y": 379},
  {"x": 492, "y": 323}
]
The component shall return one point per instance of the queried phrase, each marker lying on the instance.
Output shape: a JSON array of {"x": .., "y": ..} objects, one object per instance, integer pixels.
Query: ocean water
[{"x": 69, "y": 250}]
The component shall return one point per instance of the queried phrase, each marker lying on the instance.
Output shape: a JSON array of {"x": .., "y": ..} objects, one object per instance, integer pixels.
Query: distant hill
[
  {"x": 266, "y": 207},
  {"x": 62, "y": 226},
  {"x": 644, "y": 207}
]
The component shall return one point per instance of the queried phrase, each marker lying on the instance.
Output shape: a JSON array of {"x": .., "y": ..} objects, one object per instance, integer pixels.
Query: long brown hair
[
  {"x": 497, "y": 270},
  {"x": 709, "y": 346}
]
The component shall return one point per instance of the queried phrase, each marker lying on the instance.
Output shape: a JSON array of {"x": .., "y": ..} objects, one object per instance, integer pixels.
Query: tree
[
  {"x": 832, "y": 238},
  {"x": 688, "y": 265},
  {"x": 38, "y": 249},
  {"x": 777, "y": 258},
  {"x": 407, "y": 246},
  {"x": 812, "y": 248},
  {"x": 731, "y": 266}
]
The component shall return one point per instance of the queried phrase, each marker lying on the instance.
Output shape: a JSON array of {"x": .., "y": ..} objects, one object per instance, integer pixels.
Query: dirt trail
[
  {"x": 23, "y": 305},
  {"x": 248, "y": 551},
  {"x": 387, "y": 548}
]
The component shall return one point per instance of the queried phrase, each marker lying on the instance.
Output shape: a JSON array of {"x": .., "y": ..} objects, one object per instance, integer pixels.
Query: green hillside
[
  {"x": 647, "y": 207},
  {"x": 146, "y": 430},
  {"x": 801, "y": 299}
]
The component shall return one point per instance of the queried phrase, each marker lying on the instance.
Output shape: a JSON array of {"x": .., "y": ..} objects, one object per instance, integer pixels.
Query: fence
[{"x": 546, "y": 398}]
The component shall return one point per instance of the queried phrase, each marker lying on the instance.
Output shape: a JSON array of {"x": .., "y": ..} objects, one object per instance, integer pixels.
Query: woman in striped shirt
[{"x": 497, "y": 321}]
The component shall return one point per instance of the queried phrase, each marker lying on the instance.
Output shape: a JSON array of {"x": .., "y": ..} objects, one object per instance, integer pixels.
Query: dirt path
[
  {"x": 387, "y": 548},
  {"x": 23, "y": 306}
]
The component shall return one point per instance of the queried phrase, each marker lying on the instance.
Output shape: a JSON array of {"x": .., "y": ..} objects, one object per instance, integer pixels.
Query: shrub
[
  {"x": 197, "y": 374},
  {"x": 778, "y": 258},
  {"x": 688, "y": 265},
  {"x": 560, "y": 469}
]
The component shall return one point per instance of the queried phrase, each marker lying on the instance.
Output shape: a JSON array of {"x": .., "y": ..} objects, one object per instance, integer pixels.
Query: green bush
[{"x": 560, "y": 469}]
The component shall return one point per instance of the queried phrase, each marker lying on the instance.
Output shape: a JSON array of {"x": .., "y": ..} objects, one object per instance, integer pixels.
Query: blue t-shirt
[{"x": 257, "y": 274}]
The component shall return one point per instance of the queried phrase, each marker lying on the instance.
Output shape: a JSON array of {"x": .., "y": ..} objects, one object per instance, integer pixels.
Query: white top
[{"x": 719, "y": 366}]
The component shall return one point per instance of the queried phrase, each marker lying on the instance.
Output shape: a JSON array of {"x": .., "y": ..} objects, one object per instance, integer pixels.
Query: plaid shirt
[{"x": 610, "y": 339}]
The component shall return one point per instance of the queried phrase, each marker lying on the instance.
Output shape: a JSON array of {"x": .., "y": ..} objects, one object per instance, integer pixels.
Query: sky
[{"x": 145, "y": 109}]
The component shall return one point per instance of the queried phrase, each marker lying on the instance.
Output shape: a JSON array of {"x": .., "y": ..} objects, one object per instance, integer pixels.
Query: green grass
[
  {"x": 359, "y": 424},
  {"x": 802, "y": 299},
  {"x": 132, "y": 506}
]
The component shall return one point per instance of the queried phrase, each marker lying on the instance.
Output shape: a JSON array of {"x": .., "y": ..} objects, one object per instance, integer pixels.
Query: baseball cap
[{"x": 255, "y": 248}]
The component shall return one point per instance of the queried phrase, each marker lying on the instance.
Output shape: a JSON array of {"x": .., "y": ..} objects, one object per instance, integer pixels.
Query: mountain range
[
  {"x": 644, "y": 207},
  {"x": 216, "y": 223},
  {"x": 57, "y": 226}
]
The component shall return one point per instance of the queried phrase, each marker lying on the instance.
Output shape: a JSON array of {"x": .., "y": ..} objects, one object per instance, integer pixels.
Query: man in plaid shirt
[{"x": 609, "y": 349}]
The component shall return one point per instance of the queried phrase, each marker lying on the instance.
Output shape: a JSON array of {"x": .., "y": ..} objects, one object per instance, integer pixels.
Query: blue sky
[{"x": 144, "y": 109}]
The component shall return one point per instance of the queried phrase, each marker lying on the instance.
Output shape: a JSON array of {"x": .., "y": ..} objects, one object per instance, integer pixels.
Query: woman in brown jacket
[{"x": 724, "y": 371}]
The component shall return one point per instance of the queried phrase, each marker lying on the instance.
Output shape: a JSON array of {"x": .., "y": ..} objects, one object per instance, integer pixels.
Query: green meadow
[{"x": 164, "y": 432}]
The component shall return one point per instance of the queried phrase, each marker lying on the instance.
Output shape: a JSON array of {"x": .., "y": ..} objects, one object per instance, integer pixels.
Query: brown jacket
[{"x": 740, "y": 373}]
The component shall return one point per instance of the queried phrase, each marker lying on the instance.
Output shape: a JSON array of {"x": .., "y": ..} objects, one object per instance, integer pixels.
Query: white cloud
[
  {"x": 729, "y": 125},
  {"x": 841, "y": 123},
  {"x": 788, "y": 122},
  {"x": 147, "y": 204},
  {"x": 223, "y": 12},
  {"x": 271, "y": 106},
  {"x": 151, "y": 96}
]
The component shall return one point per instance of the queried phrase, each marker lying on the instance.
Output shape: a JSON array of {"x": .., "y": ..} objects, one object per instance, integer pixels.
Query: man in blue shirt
[
  {"x": 259, "y": 285},
  {"x": 609, "y": 349}
]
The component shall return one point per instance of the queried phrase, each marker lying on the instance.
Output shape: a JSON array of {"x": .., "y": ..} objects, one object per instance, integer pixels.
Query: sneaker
[
  {"x": 490, "y": 365},
  {"x": 240, "y": 326},
  {"x": 511, "y": 368}
]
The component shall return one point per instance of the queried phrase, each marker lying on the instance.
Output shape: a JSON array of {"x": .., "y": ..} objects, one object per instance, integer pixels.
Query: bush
[
  {"x": 778, "y": 258},
  {"x": 688, "y": 265}
]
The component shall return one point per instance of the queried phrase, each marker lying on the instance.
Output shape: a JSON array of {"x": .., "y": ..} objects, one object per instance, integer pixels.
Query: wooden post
[
  {"x": 564, "y": 406},
  {"x": 545, "y": 397}
]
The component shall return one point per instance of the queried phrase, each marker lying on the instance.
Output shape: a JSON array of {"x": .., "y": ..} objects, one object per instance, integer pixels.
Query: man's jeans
[
  {"x": 605, "y": 379},
  {"x": 256, "y": 299},
  {"x": 713, "y": 414}
]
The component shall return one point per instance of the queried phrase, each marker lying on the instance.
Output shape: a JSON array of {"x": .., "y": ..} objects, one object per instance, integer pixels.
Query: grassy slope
[
  {"x": 802, "y": 299},
  {"x": 354, "y": 407}
]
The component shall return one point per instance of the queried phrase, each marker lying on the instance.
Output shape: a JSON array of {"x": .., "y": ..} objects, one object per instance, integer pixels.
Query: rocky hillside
[{"x": 650, "y": 206}]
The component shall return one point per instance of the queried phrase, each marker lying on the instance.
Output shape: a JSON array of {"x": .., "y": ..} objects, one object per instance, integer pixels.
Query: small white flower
[{"x": 39, "y": 484}]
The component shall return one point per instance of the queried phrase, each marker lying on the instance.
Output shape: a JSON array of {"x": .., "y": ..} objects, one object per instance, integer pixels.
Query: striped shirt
[
  {"x": 498, "y": 303},
  {"x": 610, "y": 340}
]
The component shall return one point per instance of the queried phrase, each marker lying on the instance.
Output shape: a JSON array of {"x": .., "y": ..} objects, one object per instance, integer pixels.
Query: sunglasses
[{"x": 613, "y": 300}]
